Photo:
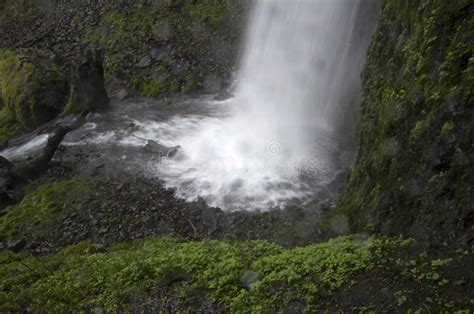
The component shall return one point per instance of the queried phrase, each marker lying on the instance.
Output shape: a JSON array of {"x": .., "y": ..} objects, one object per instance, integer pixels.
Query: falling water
[
  {"x": 276, "y": 141},
  {"x": 293, "y": 69}
]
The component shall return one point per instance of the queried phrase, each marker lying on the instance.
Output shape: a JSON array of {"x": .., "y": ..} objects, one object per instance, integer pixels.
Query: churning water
[{"x": 275, "y": 142}]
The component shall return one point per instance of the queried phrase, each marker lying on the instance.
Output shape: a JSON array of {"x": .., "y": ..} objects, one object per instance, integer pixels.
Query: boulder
[
  {"x": 33, "y": 88},
  {"x": 88, "y": 90},
  {"x": 162, "y": 150},
  {"x": 144, "y": 62},
  {"x": 162, "y": 30}
]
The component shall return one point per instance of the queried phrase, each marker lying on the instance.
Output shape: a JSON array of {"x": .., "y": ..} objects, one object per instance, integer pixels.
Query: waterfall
[
  {"x": 292, "y": 71},
  {"x": 277, "y": 143}
]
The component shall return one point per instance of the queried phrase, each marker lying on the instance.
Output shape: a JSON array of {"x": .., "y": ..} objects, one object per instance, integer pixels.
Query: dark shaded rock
[
  {"x": 88, "y": 91},
  {"x": 31, "y": 154},
  {"x": 162, "y": 30},
  {"x": 15, "y": 244},
  {"x": 459, "y": 158},
  {"x": 122, "y": 94},
  {"x": 5, "y": 179},
  {"x": 38, "y": 161},
  {"x": 212, "y": 84},
  {"x": 336, "y": 185},
  {"x": 93, "y": 116},
  {"x": 163, "y": 151},
  {"x": 144, "y": 62}
]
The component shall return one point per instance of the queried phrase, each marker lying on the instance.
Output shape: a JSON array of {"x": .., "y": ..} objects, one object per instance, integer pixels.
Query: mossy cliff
[
  {"x": 151, "y": 47},
  {"x": 414, "y": 172},
  {"x": 33, "y": 90}
]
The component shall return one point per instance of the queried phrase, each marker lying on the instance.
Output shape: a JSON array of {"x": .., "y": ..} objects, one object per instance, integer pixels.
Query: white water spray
[
  {"x": 275, "y": 142},
  {"x": 283, "y": 114}
]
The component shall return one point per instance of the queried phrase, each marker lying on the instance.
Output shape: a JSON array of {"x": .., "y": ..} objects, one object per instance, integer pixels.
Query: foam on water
[{"x": 282, "y": 112}]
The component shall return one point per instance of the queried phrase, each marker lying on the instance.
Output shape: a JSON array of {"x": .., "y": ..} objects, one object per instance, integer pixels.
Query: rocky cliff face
[
  {"x": 151, "y": 47},
  {"x": 414, "y": 171}
]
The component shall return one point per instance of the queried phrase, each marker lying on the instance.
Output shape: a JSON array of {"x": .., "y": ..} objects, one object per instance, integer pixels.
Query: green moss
[
  {"x": 241, "y": 277},
  {"x": 210, "y": 270},
  {"x": 174, "y": 86},
  {"x": 191, "y": 84},
  {"x": 154, "y": 89},
  {"x": 447, "y": 128},
  {"x": 39, "y": 207},
  {"x": 421, "y": 128},
  {"x": 8, "y": 125},
  {"x": 33, "y": 89}
]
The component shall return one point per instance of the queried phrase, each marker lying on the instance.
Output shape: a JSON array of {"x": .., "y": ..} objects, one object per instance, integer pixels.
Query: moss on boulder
[{"x": 34, "y": 90}]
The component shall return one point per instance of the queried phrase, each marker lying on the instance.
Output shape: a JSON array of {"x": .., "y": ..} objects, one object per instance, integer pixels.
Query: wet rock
[
  {"x": 93, "y": 116},
  {"x": 338, "y": 182},
  {"x": 88, "y": 91},
  {"x": 122, "y": 94},
  {"x": 5, "y": 178},
  {"x": 144, "y": 62},
  {"x": 346, "y": 158},
  {"x": 339, "y": 224},
  {"x": 15, "y": 244},
  {"x": 154, "y": 53},
  {"x": 163, "y": 151},
  {"x": 162, "y": 30},
  {"x": 181, "y": 68},
  {"x": 212, "y": 84},
  {"x": 459, "y": 158},
  {"x": 31, "y": 154},
  {"x": 223, "y": 95}
]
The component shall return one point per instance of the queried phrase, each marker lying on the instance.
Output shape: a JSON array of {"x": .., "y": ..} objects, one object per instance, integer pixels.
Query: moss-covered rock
[
  {"x": 414, "y": 171},
  {"x": 34, "y": 90}
]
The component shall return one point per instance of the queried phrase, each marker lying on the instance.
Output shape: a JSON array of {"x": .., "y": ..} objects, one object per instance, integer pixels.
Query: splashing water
[
  {"x": 275, "y": 142},
  {"x": 282, "y": 116}
]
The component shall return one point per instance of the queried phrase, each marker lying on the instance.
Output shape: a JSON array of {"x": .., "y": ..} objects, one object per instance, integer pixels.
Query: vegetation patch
[
  {"x": 41, "y": 206},
  {"x": 254, "y": 276}
]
